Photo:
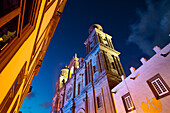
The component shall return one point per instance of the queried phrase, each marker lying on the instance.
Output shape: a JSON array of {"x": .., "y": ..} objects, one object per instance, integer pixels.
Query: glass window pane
[
  {"x": 7, "y": 6},
  {"x": 161, "y": 85},
  {"x": 28, "y": 11},
  {"x": 127, "y": 103},
  {"x": 8, "y": 32}
]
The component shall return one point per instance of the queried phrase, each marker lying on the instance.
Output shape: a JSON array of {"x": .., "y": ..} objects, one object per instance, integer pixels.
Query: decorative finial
[{"x": 75, "y": 55}]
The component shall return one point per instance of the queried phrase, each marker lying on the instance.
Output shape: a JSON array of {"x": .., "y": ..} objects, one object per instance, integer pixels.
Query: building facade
[
  {"x": 146, "y": 89},
  {"x": 85, "y": 85},
  {"x": 97, "y": 83},
  {"x": 26, "y": 28}
]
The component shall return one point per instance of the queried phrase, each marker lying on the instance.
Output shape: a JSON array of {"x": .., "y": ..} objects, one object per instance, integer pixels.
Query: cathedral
[
  {"x": 87, "y": 81},
  {"x": 98, "y": 84}
]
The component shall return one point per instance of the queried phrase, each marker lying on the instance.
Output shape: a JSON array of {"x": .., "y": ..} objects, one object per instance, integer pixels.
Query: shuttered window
[
  {"x": 128, "y": 103},
  {"x": 158, "y": 86}
]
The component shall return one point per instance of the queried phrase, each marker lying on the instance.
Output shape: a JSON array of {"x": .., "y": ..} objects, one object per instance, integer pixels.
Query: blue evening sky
[{"x": 135, "y": 25}]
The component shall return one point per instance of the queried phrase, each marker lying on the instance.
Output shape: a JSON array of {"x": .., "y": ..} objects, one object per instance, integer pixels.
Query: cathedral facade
[
  {"x": 85, "y": 85},
  {"x": 97, "y": 83}
]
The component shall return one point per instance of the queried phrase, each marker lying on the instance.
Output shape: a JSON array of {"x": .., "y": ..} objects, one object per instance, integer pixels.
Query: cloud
[
  {"x": 46, "y": 104},
  {"x": 153, "y": 26},
  {"x": 31, "y": 95}
]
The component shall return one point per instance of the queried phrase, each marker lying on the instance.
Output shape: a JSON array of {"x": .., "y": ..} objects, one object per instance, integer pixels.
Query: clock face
[{"x": 69, "y": 93}]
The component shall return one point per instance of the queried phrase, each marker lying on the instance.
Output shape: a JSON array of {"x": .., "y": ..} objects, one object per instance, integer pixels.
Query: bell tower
[
  {"x": 63, "y": 76},
  {"x": 107, "y": 58}
]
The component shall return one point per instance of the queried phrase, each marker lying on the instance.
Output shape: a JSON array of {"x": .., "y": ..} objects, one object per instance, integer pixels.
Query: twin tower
[{"x": 85, "y": 85}]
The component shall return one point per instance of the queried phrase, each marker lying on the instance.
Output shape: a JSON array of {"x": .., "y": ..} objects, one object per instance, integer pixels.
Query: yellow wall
[{"x": 11, "y": 71}]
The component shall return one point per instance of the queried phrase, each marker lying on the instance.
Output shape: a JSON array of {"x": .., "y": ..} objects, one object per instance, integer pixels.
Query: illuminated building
[
  {"x": 85, "y": 85},
  {"x": 26, "y": 28},
  {"x": 146, "y": 89},
  {"x": 97, "y": 83}
]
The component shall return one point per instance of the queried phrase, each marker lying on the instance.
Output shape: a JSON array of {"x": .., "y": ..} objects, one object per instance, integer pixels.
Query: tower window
[
  {"x": 60, "y": 104},
  {"x": 113, "y": 66},
  {"x": 78, "y": 88},
  {"x": 99, "y": 101},
  {"x": 89, "y": 74},
  {"x": 94, "y": 69},
  {"x": 91, "y": 45},
  {"x": 128, "y": 103},
  {"x": 158, "y": 86}
]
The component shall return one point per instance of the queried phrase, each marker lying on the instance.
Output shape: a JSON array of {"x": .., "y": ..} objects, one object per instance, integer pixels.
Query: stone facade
[
  {"x": 85, "y": 85},
  {"x": 97, "y": 83}
]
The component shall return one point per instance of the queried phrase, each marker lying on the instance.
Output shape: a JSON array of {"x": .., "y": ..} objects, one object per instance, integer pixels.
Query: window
[
  {"x": 158, "y": 86},
  {"x": 113, "y": 65},
  {"x": 12, "y": 18},
  {"x": 91, "y": 45},
  {"x": 88, "y": 73},
  {"x": 78, "y": 88},
  {"x": 94, "y": 69},
  {"x": 13, "y": 91},
  {"x": 128, "y": 103},
  {"x": 7, "y": 6},
  {"x": 17, "y": 21},
  {"x": 99, "y": 101},
  {"x": 60, "y": 105},
  {"x": 8, "y": 32},
  {"x": 29, "y": 6},
  {"x": 69, "y": 93}
]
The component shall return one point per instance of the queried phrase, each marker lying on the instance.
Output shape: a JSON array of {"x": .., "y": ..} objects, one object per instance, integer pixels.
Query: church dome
[{"x": 95, "y": 26}]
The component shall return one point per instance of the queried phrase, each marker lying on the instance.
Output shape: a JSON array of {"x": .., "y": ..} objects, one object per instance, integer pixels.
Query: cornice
[
  {"x": 87, "y": 87},
  {"x": 78, "y": 97},
  {"x": 95, "y": 47},
  {"x": 117, "y": 52},
  {"x": 68, "y": 106},
  {"x": 100, "y": 77}
]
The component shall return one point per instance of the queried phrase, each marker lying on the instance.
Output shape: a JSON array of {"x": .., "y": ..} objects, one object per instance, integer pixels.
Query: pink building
[{"x": 146, "y": 89}]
